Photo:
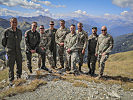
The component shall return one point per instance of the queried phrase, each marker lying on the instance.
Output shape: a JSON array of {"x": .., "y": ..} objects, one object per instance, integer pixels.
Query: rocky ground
[{"x": 65, "y": 90}]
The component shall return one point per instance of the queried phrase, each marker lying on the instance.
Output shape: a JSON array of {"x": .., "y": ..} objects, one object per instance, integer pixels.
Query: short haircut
[
  {"x": 62, "y": 20},
  {"x": 51, "y": 21},
  {"x": 72, "y": 25},
  {"x": 12, "y": 18},
  {"x": 34, "y": 22},
  {"x": 42, "y": 25},
  {"x": 80, "y": 24}
]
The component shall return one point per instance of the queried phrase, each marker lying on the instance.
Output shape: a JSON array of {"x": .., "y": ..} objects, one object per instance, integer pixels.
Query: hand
[
  {"x": 96, "y": 55},
  {"x": 68, "y": 50},
  {"x": 103, "y": 54},
  {"x": 83, "y": 51},
  {"x": 33, "y": 51},
  {"x": 61, "y": 44},
  {"x": 42, "y": 48}
]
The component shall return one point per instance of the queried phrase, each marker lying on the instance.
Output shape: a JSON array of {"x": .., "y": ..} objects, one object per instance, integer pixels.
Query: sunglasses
[
  {"x": 41, "y": 28},
  {"x": 51, "y": 24},
  {"x": 103, "y": 30}
]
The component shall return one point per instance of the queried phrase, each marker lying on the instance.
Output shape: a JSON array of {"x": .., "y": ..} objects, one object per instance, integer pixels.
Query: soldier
[
  {"x": 70, "y": 45},
  {"x": 32, "y": 40},
  {"x": 83, "y": 39},
  {"x": 60, "y": 37},
  {"x": 11, "y": 41},
  {"x": 51, "y": 31},
  {"x": 104, "y": 46},
  {"x": 92, "y": 42},
  {"x": 45, "y": 43}
]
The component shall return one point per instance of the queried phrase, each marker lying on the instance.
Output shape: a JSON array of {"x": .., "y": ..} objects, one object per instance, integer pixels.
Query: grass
[
  {"x": 80, "y": 84},
  {"x": 118, "y": 70},
  {"x": 22, "y": 88}
]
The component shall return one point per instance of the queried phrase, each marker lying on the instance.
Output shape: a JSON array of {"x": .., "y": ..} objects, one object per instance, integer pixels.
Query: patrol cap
[{"x": 94, "y": 27}]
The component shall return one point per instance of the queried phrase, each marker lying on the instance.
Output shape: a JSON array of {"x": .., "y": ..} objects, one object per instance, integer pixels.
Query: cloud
[
  {"x": 124, "y": 12},
  {"x": 7, "y": 12},
  {"x": 80, "y": 12},
  {"x": 123, "y": 3},
  {"x": 24, "y": 4},
  {"x": 48, "y": 3}
]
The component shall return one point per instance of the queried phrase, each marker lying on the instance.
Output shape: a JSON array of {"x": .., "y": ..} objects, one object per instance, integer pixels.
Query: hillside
[
  {"x": 117, "y": 83},
  {"x": 123, "y": 43}
]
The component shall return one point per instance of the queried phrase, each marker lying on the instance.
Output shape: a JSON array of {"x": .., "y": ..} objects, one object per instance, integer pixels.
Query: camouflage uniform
[
  {"x": 92, "y": 42},
  {"x": 60, "y": 37},
  {"x": 52, "y": 45},
  {"x": 71, "y": 42},
  {"x": 32, "y": 40},
  {"x": 45, "y": 42},
  {"x": 83, "y": 39},
  {"x": 11, "y": 41},
  {"x": 104, "y": 44}
]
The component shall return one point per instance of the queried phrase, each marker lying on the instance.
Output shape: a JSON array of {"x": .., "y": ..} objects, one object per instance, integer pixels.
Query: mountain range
[{"x": 122, "y": 42}]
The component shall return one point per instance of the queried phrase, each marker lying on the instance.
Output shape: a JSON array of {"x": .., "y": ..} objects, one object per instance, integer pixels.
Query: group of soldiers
[{"x": 69, "y": 44}]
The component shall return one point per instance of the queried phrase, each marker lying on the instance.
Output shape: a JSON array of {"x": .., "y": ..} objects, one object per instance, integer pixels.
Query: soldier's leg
[
  {"x": 54, "y": 55},
  {"x": 19, "y": 65},
  {"x": 74, "y": 57},
  {"x": 80, "y": 59},
  {"x": 102, "y": 63},
  {"x": 43, "y": 57},
  {"x": 68, "y": 59},
  {"x": 61, "y": 54},
  {"x": 88, "y": 63},
  {"x": 28, "y": 55},
  {"x": 11, "y": 63},
  {"x": 50, "y": 58},
  {"x": 93, "y": 64},
  {"x": 39, "y": 61}
]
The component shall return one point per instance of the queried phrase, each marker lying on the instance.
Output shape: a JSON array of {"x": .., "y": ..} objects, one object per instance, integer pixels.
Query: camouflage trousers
[
  {"x": 12, "y": 58},
  {"x": 62, "y": 57},
  {"x": 72, "y": 59},
  {"x": 101, "y": 63},
  {"x": 49, "y": 56},
  {"x": 29, "y": 56},
  {"x": 81, "y": 57},
  {"x": 91, "y": 63}
]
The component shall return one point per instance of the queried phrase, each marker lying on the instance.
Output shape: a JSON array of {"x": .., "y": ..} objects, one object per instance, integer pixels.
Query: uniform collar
[{"x": 12, "y": 29}]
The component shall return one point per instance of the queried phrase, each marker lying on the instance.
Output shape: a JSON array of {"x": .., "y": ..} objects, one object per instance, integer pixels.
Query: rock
[{"x": 114, "y": 94}]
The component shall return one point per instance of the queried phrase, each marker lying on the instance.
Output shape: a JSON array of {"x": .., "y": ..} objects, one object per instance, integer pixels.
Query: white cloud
[
  {"x": 123, "y": 3},
  {"x": 124, "y": 12},
  {"x": 7, "y": 12},
  {"x": 80, "y": 12},
  {"x": 24, "y": 4},
  {"x": 48, "y": 3}
]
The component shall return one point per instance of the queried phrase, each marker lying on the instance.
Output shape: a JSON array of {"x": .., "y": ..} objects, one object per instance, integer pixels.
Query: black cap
[{"x": 94, "y": 27}]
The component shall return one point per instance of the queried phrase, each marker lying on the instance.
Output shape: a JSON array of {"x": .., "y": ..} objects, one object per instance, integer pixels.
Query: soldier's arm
[
  {"x": 38, "y": 42},
  {"x": 97, "y": 47},
  {"x": 21, "y": 35},
  {"x": 75, "y": 46},
  {"x": 27, "y": 41},
  {"x": 65, "y": 43},
  {"x": 86, "y": 41},
  {"x": 111, "y": 42},
  {"x": 4, "y": 39},
  {"x": 57, "y": 38}
]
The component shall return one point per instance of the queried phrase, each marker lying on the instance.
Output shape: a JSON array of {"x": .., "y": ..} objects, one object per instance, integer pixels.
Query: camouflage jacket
[
  {"x": 83, "y": 39},
  {"x": 61, "y": 35},
  {"x": 104, "y": 44},
  {"x": 92, "y": 42},
  {"x": 11, "y": 40},
  {"x": 32, "y": 40},
  {"x": 71, "y": 42},
  {"x": 52, "y": 33}
]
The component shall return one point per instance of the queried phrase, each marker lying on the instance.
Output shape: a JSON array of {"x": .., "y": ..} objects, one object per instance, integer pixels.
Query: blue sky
[{"x": 54, "y": 8}]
